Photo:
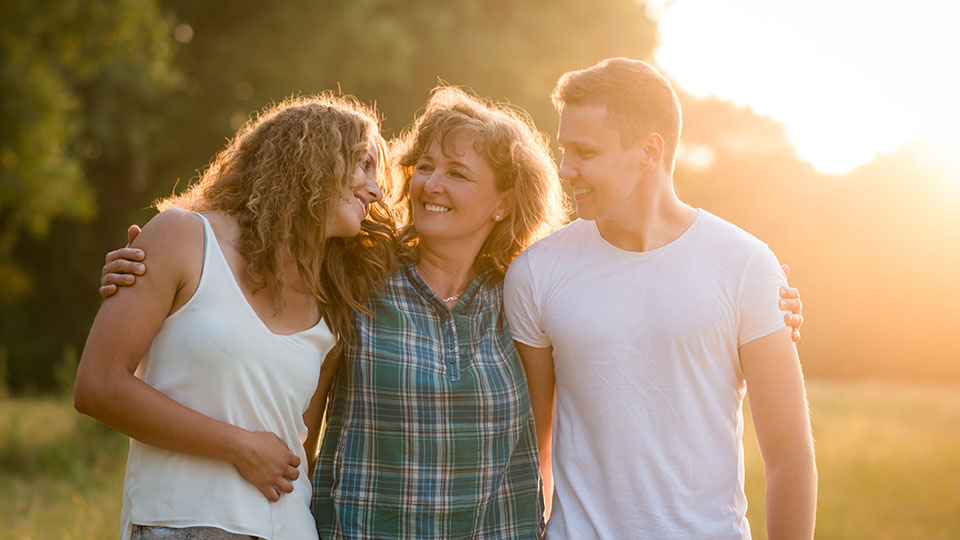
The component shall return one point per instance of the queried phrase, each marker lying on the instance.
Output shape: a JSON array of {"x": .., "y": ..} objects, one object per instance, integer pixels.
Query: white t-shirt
[{"x": 648, "y": 424}]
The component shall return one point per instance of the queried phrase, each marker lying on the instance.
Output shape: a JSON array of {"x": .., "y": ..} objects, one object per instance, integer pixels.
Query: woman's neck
[{"x": 447, "y": 272}]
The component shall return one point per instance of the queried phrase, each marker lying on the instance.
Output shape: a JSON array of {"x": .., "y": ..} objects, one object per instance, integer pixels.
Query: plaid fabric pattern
[{"x": 429, "y": 432}]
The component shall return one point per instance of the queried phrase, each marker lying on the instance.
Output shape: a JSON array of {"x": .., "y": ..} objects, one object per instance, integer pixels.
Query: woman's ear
[{"x": 505, "y": 205}]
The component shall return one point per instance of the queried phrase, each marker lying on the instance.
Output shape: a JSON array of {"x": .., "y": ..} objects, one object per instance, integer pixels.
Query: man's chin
[{"x": 586, "y": 214}]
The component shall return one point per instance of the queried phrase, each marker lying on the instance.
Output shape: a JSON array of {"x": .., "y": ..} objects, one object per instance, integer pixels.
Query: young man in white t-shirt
[{"x": 644, "y": 323}]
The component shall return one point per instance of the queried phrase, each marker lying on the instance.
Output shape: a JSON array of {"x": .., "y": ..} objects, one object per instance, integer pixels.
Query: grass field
[{"x": 889, "y": 460}]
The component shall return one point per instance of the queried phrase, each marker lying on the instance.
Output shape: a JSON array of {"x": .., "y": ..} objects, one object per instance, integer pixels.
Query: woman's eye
[
  {"x": 424, "y": 168},
  {"x": 457, "y": 174}
]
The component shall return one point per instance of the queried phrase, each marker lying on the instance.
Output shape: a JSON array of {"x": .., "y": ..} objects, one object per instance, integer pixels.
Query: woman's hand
[
  {"x": 122, "y": 266},
  {"x": 789, "y": 299},
  {"x": 265, "y": 461}
]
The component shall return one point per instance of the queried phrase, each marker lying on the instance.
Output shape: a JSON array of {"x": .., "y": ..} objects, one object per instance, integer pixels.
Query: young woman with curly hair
[{"x": 210, "y": 362}]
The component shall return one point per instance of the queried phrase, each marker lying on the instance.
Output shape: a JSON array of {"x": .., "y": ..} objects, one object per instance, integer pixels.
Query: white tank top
[{"x": 216, "y": 356}]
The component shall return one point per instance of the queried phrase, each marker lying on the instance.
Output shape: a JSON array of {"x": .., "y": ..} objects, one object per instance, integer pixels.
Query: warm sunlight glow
[{"x": 848, "y": 78}]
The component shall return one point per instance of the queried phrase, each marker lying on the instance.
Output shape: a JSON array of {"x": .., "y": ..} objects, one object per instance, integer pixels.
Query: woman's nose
[{"x": 371, "y": 191}]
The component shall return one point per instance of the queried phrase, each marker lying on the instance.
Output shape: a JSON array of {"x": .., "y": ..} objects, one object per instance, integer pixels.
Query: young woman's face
[
  {"x": 354, "y": 203},
  {"x": 454, "y": 194}
]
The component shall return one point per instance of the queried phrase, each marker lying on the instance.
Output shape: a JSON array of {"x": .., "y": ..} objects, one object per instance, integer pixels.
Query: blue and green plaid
[{"x": 429, "y": 432}]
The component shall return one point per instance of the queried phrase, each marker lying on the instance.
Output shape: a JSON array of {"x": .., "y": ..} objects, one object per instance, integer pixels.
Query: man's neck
[{"x": 657, "y": 218}]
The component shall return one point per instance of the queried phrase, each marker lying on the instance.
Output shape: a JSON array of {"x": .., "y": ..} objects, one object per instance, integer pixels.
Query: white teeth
[
  {"x": 581, "y": 191},
  {"x": 435, "y": 208}
]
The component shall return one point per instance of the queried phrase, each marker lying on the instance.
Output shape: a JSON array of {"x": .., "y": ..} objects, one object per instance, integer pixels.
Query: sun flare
[{"x": 848, "y": 79}]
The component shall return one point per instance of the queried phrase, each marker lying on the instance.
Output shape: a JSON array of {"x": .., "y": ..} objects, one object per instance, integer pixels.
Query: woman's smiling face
[
  {"x": 355, "y": 201},
  {"x": 454, "y": 194}
]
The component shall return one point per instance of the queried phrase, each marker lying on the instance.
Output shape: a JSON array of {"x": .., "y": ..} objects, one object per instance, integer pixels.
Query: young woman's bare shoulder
[
  {"x": 175, "y": 224},
  {"x": 174, "y": 236}
]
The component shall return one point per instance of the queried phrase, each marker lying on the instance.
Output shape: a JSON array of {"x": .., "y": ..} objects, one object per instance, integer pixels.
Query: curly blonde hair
[
  {"x": 279, "y": 177},
  {"x": 517, "y": 152}
]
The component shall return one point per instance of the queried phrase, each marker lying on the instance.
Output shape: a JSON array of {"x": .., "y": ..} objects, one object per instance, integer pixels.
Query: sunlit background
[
  {"x": 848, "y": 79},
  {"x": 827, "y": 129}
]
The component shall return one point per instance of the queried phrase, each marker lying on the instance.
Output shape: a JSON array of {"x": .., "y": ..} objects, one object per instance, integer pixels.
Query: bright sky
[{"x": 848, "y": 78}]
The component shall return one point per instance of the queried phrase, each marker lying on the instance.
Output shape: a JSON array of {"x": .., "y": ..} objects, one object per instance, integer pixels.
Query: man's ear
[{"x": 650, "y": 150}]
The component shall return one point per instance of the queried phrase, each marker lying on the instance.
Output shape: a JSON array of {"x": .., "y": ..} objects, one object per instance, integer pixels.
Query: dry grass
[{"x": 888, "y": 455}]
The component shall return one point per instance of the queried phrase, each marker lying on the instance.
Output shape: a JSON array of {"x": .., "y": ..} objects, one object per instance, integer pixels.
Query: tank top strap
[
  {"x": 218, "y": 281},
  {"x": 216, "y": 277},
  {"x": 207, "y": 233}
]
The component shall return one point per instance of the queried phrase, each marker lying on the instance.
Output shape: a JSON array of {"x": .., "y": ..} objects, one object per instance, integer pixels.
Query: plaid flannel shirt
[{"x": 429, "y": 431}]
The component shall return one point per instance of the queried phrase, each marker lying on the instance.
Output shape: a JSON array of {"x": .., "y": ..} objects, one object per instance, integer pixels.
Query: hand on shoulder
[{"x": 172, "y": 242}]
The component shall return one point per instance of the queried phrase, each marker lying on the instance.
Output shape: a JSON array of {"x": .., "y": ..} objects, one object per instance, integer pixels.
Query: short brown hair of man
[
  {"x": 517, "y": 152},
  {"x": 280, "y": 176},
  {"x": 638, "y": 99}
]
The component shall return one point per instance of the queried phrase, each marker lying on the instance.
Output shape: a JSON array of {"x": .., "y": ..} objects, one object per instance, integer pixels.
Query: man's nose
[{"x": 566, "y": 172}]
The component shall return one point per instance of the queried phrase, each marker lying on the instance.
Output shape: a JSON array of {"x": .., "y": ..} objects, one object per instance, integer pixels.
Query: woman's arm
[
  {"x": 313, "y": 418},
  {"x": 107, "y": 389}
]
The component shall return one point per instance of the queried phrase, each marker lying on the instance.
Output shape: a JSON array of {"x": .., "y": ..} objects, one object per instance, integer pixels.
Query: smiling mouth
[
  {"x": 435, "y": 208},
  {"x": 364, "y": 207},
  {"x": 581, "y": 191}
]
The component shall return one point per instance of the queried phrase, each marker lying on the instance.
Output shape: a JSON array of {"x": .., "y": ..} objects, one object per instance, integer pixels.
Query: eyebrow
[
  {"x": 453, "y": 162},
  {"x": 579, "y": 145}
]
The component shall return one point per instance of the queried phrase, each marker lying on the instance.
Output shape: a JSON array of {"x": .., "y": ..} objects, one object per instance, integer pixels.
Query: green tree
[{"x": 80, "y": 82}]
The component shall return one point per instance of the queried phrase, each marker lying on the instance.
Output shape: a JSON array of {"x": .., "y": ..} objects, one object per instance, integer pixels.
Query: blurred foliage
[
  {"x": 108, "y": 105},
  {"x": 81, "y": 84},
  {"x": 386, "y": 51}
]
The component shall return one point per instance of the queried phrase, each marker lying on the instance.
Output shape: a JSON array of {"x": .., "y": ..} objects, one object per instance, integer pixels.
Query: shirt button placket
[{"x": 451, "y": 348}]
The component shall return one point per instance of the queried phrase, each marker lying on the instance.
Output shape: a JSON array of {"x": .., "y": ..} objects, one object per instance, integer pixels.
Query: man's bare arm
[
  {"x": 779, "y": 406},
  {"x": 542, "y": 383}
]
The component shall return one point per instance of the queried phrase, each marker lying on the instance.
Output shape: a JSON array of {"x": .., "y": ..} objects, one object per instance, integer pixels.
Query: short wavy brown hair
[
  {"x": 517, "y": 152},
  {"x": 279, "y": 177},
  {"x": 638, "y": 99}
]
